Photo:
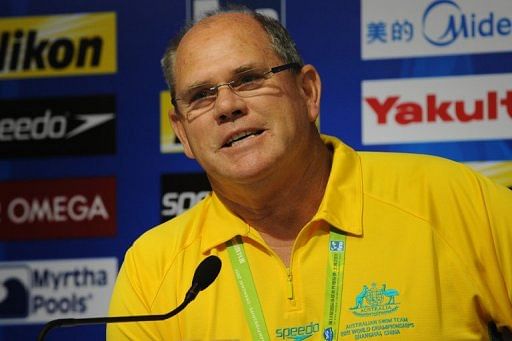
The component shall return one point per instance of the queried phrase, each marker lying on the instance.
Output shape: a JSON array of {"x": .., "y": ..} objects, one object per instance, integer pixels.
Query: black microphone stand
[
  {"x": 70, "y": 322},
  {"x": 204, "y": 275}
]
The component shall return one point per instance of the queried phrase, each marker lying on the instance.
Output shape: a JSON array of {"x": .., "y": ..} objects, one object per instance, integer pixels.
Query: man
[{"x": 316, "y": 241}]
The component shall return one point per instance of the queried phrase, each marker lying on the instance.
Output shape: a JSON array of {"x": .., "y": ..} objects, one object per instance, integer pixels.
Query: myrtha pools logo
[
  {"x": 375, "y": 300},
  {"x": 14, "y": 295},
  {"x": 39, "y": 291}
]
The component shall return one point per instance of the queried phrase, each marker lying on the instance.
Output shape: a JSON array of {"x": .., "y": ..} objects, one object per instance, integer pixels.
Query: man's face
[{"x": 269, "y": 129}]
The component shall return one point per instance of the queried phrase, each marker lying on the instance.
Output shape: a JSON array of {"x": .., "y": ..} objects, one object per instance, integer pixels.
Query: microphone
[{"x": 206, "y": 272}]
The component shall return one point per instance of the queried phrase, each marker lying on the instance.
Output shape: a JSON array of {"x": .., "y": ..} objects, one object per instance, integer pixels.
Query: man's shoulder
[
  {"x": 413, "y": 167},
  {"x": 418, "y": 183},
  {"x": 395, "y": 161},
  {"x": 392, "y": 168},
  {"x": 156, "y": 255},
  {"x": 173, "y": 235}
]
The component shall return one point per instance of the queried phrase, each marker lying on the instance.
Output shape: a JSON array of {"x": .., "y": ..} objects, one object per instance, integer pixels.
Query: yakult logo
[
  {"x": 38, "y": 291},
  {"x": 57, "y": 208},
  {"x": 403, "y": 28},
  {"x": 437, "y": 109},
  {"x": 434, "y": 110}
]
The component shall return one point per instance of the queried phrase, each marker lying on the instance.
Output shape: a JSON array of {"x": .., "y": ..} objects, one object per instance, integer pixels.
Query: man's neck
[{"x": 279, "y": 207}]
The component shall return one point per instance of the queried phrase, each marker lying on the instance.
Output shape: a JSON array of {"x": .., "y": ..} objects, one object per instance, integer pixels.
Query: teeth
[{"x": 240, "y": 136}]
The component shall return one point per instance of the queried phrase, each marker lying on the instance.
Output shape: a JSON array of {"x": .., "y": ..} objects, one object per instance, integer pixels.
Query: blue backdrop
[{"x": 328, "y": 35}]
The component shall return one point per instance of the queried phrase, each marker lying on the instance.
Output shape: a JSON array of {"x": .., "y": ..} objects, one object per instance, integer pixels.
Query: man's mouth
[{"x": 241, "y": 136}]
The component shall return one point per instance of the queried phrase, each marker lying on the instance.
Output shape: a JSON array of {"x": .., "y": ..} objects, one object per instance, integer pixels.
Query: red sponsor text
[{"x": 435, "y": 110}]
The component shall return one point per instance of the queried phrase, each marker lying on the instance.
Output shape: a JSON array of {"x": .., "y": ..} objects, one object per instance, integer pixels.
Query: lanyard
[
  {"x": 249, "y": 295},
  {"x": 252, "y": 306}
]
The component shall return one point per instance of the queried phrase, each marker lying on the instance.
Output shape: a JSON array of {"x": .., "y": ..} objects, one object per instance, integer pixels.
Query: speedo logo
[
  {"x": 298, "y": 333},
  {"x": 175, "y": 203},
  {"x": 179, "y": 192},
  {"x": 57, "y": 126},
  {"x": 48, "y": 126},
  {"x": 57, "y": 45}
]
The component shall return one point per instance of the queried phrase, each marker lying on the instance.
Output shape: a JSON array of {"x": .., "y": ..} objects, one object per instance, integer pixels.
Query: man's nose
[{"x": 228, "y": 104}]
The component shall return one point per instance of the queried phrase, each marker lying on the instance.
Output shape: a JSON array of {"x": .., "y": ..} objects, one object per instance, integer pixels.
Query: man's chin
[{"x": 243, "y": 173}]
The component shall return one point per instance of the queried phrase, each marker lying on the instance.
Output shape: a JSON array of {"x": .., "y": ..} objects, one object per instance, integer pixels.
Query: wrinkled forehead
[{"x": 222, "y": 41}]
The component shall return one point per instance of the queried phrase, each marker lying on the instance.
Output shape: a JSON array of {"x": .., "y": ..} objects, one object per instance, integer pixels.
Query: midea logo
[{"x": 444, "y": 23}]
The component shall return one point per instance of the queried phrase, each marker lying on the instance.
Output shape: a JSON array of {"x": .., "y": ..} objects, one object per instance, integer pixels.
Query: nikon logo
[
  {"x": 40, "y": 54},
  {"x": 58, "y": 45}
]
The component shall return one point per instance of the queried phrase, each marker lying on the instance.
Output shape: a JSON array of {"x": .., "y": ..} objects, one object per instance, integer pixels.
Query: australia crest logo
[{"x": 375, "y": 300}]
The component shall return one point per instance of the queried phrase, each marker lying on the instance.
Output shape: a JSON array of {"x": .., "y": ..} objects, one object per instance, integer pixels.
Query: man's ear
[
  {"x": 176, "y": 120},
  {"x": 312, "y": 89}
]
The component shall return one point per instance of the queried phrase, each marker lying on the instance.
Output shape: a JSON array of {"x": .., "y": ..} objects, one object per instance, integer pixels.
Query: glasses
[{"x": 247, "y": 83}]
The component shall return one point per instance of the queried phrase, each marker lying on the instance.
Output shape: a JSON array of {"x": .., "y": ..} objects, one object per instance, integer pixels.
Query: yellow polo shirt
[{"x": 428, "y": 257}]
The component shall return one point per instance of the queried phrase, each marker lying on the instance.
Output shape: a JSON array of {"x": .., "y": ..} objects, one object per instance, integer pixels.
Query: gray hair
[{"x": 280, "y": 41}]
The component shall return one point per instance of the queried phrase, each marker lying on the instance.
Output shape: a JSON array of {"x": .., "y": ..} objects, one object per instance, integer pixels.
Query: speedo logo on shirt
[{"x": 298, "y": 333}]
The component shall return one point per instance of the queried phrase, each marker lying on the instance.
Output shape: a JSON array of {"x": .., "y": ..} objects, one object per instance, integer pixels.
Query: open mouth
[{"x": 240, "y": 137}]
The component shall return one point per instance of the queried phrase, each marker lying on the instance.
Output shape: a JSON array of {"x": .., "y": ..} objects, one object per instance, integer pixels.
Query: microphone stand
[
  {"x": 70, "y": 322},
  {"x": 204, "y": 275}
]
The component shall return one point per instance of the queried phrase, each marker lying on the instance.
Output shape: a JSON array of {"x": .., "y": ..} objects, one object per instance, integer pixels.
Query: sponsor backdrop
[{"x": 88, "y": 160}]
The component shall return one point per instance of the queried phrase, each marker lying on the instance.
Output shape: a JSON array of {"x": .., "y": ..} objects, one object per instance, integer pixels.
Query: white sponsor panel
[
  {"x": 408, "y": 28},
  {"x": 40, "y": 291},
  {"x": 462, "y": 108}
]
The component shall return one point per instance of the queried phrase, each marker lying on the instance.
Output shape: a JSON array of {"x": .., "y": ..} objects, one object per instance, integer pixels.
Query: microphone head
[{"x": 206, "y": 272}]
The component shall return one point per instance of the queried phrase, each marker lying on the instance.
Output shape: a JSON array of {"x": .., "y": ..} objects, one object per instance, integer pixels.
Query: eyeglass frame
[{"x": 271, "y": 72}]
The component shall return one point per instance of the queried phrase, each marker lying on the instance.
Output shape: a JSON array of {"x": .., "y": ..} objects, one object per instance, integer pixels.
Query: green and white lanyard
[{"x": 249, "y": 295}]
